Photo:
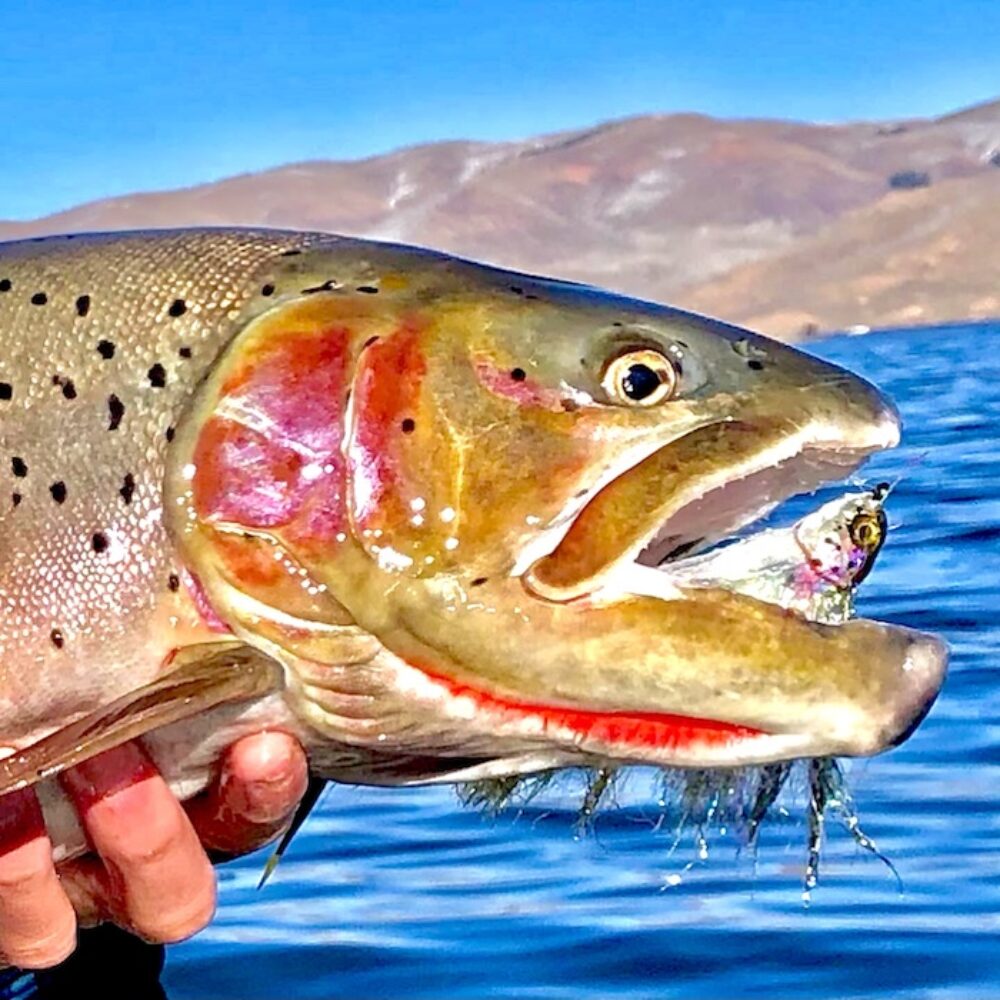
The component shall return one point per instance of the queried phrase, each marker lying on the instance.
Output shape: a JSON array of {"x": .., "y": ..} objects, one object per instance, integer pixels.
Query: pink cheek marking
[
  {"x": 271, "y": 454},
  {"x": 244, "y": 477},
  {"x": 515, "y": 385}
]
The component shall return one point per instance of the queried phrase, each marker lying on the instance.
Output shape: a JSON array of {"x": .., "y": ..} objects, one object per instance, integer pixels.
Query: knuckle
[
  {"x": 20, "y": 876},
  {"x": 151, "y": 845},
  {"x": 40, "y": 953}
]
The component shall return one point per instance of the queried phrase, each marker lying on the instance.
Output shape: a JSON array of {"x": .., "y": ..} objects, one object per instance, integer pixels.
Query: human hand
[{"x": 151, "y": 874}]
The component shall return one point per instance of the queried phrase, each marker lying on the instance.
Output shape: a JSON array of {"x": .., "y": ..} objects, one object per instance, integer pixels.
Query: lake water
[{"x": 406, "y": 893}]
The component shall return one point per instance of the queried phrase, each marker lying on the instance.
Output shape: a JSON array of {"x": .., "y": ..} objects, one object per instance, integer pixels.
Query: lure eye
[
  {"x": 867, "y": 531},
  {"x": 640, "y": 378}
]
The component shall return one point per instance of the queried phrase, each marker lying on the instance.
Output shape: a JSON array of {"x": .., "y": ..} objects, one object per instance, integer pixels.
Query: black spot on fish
[
  {"x": 128, "y": 487},
  {"x": 15, "y": 498},
  {"x": 83, "y": 305},
  {"x": 370, "y": 341},
  {"x": 169, "y": 433},
  {"x": 479, "y": 581},
  {"x": 6, "y": 390},
  {"x": 408, "y": 426},
  {"x": 58, "y": 491},
  {"x": 290, "y": 253},
  {"x": 57, "y": 638},
  {"x": 330, "y": 285},
  {"x": 755, "y": 365},
  {"x": 106, "y": 349},
  {"x": 177, "y": 308},
  {"x": 367, "y": 289},
  {"x": 116, "y": 410},
  {"x": 267, "y": 290},
  {"x": 185, "y": 352},
  {"x": 518, "y": 374},
  {"x": 6, "y": 285},
  {"x": 174, "y": 582},
  {"x": 99, "y": 541},
  {"x": 19, "y": 467},
  {"x": 516, "y": 289},
  {"x": 66, "y": 384},
  {"x": 569, "y": 405},
  {"x": 157, "y": 376},
  {"x": 39, "y": 299}
]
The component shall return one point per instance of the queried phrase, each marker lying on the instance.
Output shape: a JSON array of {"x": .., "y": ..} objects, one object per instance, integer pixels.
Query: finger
[
  {"x": 37, "y": 923},
  {"x": 159, "y": 881},
  {"x": 263, "y": 777}
]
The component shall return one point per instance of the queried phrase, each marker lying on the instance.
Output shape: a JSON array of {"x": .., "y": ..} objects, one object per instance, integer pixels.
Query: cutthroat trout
[{"x": 428, "y": 516}]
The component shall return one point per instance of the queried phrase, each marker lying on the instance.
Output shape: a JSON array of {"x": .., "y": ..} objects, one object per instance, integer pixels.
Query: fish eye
[
  {"x": 640, "y": 378},
  {"x": 867, "y": 530}
]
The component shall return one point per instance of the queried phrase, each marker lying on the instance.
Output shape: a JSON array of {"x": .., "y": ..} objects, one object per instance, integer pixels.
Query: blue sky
[{"x": 108, "y": 97}]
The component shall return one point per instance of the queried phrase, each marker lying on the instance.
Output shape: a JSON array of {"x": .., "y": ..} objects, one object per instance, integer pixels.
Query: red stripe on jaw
[{"x": 652, "y": 730}]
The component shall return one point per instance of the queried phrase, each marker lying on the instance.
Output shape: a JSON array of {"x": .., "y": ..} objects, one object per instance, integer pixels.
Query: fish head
[
  {"x": 482, "y": 472},
  {"x": 576, "y": 424}
]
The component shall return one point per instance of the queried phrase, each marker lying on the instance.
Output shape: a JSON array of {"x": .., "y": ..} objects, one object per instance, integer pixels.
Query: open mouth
[
  {"x": 710, "y": 508},
  {"x": 726, "y": 508}
]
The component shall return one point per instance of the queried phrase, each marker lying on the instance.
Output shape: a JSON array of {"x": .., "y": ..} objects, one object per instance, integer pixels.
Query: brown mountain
[
  {"x": 912, "y": 257},
  {"x": 783, "y": 224}
]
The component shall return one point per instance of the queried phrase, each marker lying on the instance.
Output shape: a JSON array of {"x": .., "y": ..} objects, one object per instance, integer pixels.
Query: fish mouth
[
  {"x": 694, "y": 492},
  {"x": 724, "y": 508},
  {"x": 760, "y": 727}
]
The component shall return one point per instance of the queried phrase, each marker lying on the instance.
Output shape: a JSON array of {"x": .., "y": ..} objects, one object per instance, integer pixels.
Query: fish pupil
[{"x": 640, "y": 381}]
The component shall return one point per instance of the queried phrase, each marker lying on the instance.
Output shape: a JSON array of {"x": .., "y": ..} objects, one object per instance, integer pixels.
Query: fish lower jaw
[{"x": 513, "y": 735}]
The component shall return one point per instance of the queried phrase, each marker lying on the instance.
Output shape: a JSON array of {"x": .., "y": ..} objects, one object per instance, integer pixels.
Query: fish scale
[{"x": 112, "y": 607}]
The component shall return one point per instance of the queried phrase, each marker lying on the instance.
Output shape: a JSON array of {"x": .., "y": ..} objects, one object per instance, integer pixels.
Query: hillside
[{"x": 782, "y": 224}]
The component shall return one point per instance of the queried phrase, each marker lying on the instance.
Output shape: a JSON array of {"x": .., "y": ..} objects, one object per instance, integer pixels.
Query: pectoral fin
[{"x": 202, "y": 677}]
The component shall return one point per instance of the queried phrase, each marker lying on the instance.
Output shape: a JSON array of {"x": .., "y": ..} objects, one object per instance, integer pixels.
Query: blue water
[{"x": 406, "y": 893}]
